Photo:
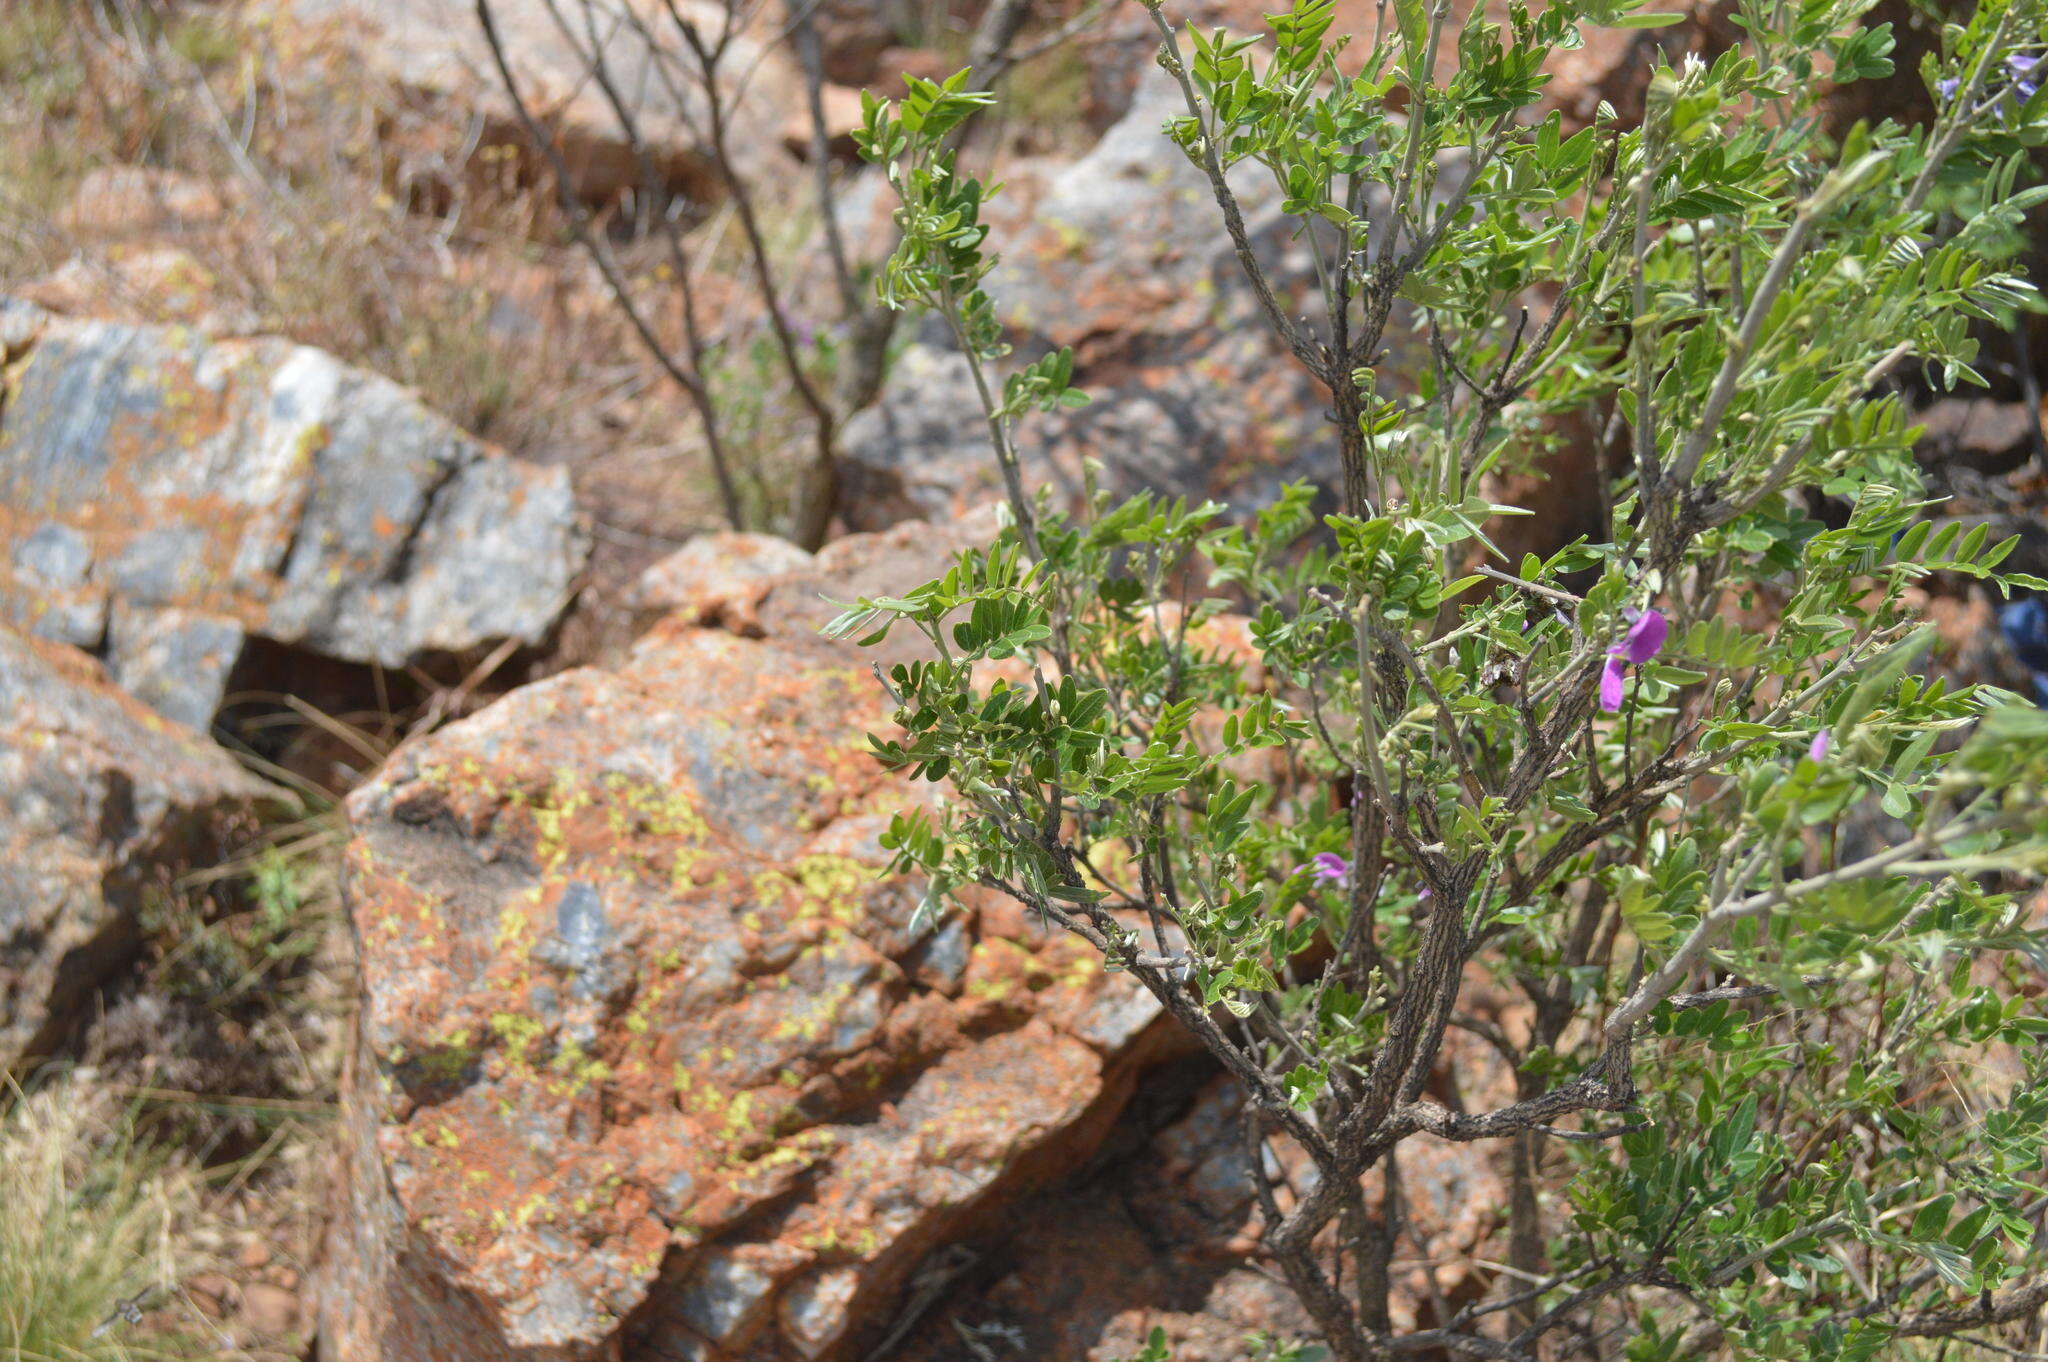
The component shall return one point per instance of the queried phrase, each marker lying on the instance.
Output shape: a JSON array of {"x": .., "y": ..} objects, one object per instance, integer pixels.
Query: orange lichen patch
[{"x": 155, "y": 419}]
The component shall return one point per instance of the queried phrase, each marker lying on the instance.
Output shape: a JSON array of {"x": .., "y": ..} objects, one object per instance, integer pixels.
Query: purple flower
[
  {"x": 1611, "y": 677},
  {"x": 2023, "y": 71},
  {"x": 802, "y": 332},
  {"x": 1946, "y": 87},
  {"x": 1647, "y": 630},
  {"x": 1821, "y": 743},
  {"x": 1329, "y": 867},
  {"x": 1645, "y": 636}
]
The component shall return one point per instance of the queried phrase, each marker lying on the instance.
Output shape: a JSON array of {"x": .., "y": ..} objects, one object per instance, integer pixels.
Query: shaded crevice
[
  {"x": 363, "y": 710},
  {"x": 399, "y": 567},
  {"x": 1137, "y": 1099},
  {"x": 1146, "y": 1243}
]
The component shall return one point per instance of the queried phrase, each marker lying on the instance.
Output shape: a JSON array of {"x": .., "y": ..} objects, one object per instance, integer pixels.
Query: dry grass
[
  {"x": 87, "y": 1231},
  {"x": 223, "y": 1055}
]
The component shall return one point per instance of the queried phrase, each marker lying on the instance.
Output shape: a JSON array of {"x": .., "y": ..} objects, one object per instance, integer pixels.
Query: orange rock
[
  {"x": 434, "y": 50},
  {"x": 650, "y": 1032},
  {"x": 123, "y": 200},
  {"x": 719, "y": 579},
  {"x": 270, "y": 1311},
  {"x": 213, "y": 1293}
]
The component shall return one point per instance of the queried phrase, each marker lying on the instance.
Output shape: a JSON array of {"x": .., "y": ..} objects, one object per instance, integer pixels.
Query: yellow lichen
[
  {"x": 518, "y": 1032},
  {"x": 809, "y": 1022}
]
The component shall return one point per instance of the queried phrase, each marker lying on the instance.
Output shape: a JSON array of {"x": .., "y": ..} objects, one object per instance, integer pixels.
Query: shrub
[{"x": 1756, "y": 886}]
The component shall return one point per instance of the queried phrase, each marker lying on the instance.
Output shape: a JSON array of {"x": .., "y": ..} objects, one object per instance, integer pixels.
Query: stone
[
  {"x": 269, "y": 1310},
  {"x": 1121, "y": 255},
  {"x": 102, "y": 802},
  {"x": 1980, "y": 434},
  {"x": 718, "y": 579},
  {"x": 143, "y": 282},
  {"x": 129, "y": 200},
  {"x": 212, "y": 1292},
  {"x": 50, "y": 592},
  {"x": 854, "y": 36},
  {"x": 759, "y": 586},
  {"x": 435, "y": 50},
  {"x": 1166, "y": 1225},
  {"x": 842, "y": 113},
  {"x": 165, "y": 498},
  {"x": 177, "y": 661},
  {"x": 655, "y": 1054},
  {"x": 1155, "y": 1231},
  {"x": 1614, "y": 65}
]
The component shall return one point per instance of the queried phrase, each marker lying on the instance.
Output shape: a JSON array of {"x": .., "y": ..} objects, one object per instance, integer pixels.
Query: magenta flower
[
  {"x": 1647, "y": 630},
  {"x": 1646, "y": 633},
  {"x": 1329, "y": 867},
  {"x": 1611, "y": 677},
  {"x": 1821, "y": 743}
]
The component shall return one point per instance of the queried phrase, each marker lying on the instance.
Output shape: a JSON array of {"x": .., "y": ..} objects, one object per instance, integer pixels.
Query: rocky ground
[{"x": 451, "y": 852}]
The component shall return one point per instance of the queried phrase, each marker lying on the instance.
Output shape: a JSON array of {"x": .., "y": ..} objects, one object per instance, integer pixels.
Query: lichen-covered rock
[
  {"x": 756, "y": 584},
  {"x": 163, "y": 497},
  {"x": 1119, "y": 254},
  {"x": 143, "y": 280},
  {"x": 436, "y": 50},
  {"x": 1122, "y": 255},
  {"x": 654, "y": 1054},
  {"x": 102, "y": 802},
  {"x": 718, "y": 579}
]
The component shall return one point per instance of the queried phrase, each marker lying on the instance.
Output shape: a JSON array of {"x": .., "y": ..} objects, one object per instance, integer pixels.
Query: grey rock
[
  {"x": 102, "y": 801},
  {"x": 726, "y": 1295},
  {"x": 55, "y": 552},
  {"x": 177, "y": 661},
  {"x": 203, "y": 491},
  {"x": 47, "y": 591},
  {"x": 943, "y": 961},
  {"x": 581, "y": 945},
  {"x": 76, "y": 615},
  {"x": 1122, "y": 256},
  {"x": 813, "y": 1309},
  {"x": 161, "y": 565}
]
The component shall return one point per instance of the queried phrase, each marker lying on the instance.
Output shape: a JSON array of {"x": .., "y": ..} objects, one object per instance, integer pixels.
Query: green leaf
[
  {"x": 1880, "y": 678},
  {"x": 1932, "y": 1219},
  {"x": 1413, "y": 18}
]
